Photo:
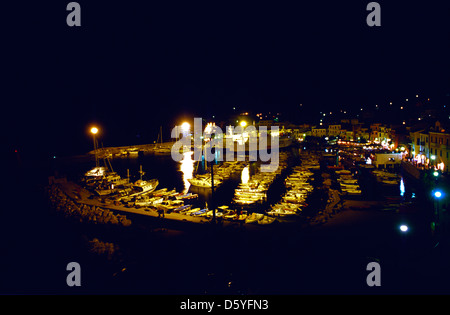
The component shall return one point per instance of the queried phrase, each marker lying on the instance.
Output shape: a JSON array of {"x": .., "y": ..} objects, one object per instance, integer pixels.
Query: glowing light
[
  {"x": 187, "y": 168},
  {"x": 243, "y": 123},
  {"x": 438, "y": 194},
  {"x": 402, "y": 187},
  {"x": 94, "y": 130},
  {"x": 185, "y": 126},
  {"x": 245, "y": 175},
  {"x": 403, "y": 228}
]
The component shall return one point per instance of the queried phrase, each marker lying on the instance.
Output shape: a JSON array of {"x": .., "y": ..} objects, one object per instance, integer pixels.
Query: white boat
[
  {"x": 209, "y": 214},
  {"x": 266, "y": 220},
  {"x": 254, "y": 217},
  {"x": 96, "y": 172},
  {"x": 187, "y": 196},
  {"x": 203, "y": 182},
  {"x": 142, "y": 186},
  {"x": 353, "y": 192}
]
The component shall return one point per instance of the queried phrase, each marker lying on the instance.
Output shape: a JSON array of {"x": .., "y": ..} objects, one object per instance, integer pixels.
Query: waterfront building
[
  {"x": 387, "y": 160},
  {"x": 318, "y": 132},
  {"x": 430, "y": 146},
  {"x": 334, "y": 130}
]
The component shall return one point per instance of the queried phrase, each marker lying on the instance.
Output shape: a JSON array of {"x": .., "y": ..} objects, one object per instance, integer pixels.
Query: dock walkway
[{"x": 81, "y": 196}]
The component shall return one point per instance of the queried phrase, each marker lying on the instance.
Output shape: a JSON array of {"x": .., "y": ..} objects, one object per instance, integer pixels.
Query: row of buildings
[
  {"x": 430, "y": 146},
  {"x": 347, "y": 130},
  {"x": 427, "y": 143}
]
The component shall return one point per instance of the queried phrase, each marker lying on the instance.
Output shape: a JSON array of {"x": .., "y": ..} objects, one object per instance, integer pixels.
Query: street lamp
[
  {"x": 243, "y": 124},
  {"x": 185, "y": 127},
  {"x": 94, "y": 131}
]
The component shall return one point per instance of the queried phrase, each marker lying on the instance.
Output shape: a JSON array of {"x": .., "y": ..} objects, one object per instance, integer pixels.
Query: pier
[{"x": 81, "y": 197}]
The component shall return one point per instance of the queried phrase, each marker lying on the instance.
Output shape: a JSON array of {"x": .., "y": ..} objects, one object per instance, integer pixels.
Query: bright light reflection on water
[
  {"x": 402, "y": 187},
  {"x": 245, "y": 175},
  {"x": 187, "y": 167}
]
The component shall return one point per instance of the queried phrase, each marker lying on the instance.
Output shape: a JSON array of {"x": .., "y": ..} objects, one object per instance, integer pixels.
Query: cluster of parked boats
[
  {"x": 348, "y": 183},
  {"x": 105, "y": 183},
  {"x": 386, "y": 178},
  {"x": 221, "y": 173},
  {"x": 253, "y": 189},
  {"x": 298, "y": 188}
]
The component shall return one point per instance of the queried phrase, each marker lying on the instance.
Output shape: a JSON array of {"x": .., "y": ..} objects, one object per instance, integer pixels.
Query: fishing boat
[
  {"x": 200, "y": 213},
  {"x": 281, "y": 212},
  {"x": 142, "y": 186},
  {"x": 204, "y": 182},
  {"x": 182, "y": 209},
  {"x": 187, "y": 196},
  {"x": 191, "y": 211},
  {"x": 266, "y": 220},
  {"x": 254, "y": 217},
  {"x": 160, "y": 192},
  {"x": 230, "y": 215},
  {"x": 209, "y": 214}
]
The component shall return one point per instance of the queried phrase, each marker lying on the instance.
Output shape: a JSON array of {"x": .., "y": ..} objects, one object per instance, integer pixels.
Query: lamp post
[{"x": 94, "y": 131}]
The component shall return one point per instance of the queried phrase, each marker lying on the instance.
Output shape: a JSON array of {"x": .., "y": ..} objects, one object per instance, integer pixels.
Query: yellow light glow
[
  {"x": 185, "y": 126},
  {"x": 243, "y": 123},
  {"x": 245, "y": 175},
  {"x": 187, "y": 168},
  {"x": 94, "y": 130}
]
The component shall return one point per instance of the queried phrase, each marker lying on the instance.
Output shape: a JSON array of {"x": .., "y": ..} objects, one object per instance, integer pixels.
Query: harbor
[
  {"x": 303, "y": 190},
  {"x": 306, "y": 200}
]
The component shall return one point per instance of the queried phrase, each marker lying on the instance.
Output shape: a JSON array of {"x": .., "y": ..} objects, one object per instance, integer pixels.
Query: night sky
[{"x": 134, "y": 66}]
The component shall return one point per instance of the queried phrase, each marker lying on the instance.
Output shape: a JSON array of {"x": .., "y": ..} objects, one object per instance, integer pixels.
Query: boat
[
  {"x": 390, "y": 182},
  {"x": 99, "y": 171},
  {"x": 203, "y": 182},
  {"x": 242, "y": 216},
  {"x": 160, "y": 192},
  {"x": 354, "y": 192},
  {"x": 142, "y": 186},
  {"x": 182, "y": 209},
  {"x": 187, "y": 196},
  {"x": 254, "y": 217},
  {"x": 230, "y": 214},
  {"x": 209, "y": 214},
  {"x": 191, "y": 211},
  {"x": 199, "y": 213},
  {"x": 340, "y": 172},
  {"x": 266, "y": 220}
]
